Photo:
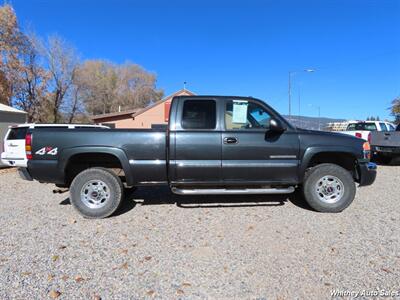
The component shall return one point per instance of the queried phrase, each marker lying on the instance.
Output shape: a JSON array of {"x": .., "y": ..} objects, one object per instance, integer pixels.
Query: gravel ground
[{"x": 165, "y": 246}]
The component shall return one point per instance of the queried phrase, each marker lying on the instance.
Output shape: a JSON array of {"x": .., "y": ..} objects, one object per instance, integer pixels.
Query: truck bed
[
  {"x": 385, "y": 139},
  {"x": 143, "y": 149},
  {"x": 386, "y": 143}
]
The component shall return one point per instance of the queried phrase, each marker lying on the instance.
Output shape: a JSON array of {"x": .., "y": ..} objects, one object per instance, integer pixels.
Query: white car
[
  {"x": 362, "y": 129},
  {"x": 14, "y": 142}
]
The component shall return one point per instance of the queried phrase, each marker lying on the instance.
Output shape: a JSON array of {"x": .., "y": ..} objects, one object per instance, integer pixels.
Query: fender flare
[
  {"x": 66, "y": 155},
  {"x": 310, "y": 152}
]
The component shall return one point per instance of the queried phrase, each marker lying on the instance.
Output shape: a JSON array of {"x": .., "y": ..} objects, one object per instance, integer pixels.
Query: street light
[{"x": 290, "y": 86}]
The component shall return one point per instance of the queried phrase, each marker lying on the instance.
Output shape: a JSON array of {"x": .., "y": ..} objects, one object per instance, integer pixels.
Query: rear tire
[
  {"x": 329, "y": 188},
  {"x": 96, "y": 193}
]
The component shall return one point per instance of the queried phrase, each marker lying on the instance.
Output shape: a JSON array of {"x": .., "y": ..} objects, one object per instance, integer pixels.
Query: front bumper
[
  {"x": 24, "y": 174},
  {"x": 367, "y": 173}
]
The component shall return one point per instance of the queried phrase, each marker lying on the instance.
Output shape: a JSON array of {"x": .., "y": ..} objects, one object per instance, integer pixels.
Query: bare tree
[
  {"x": 106, "y": 87},
  {"x": 45, "y": 78},
  {"x": 11, "y": 48},
  {"x": 62, "y": 62},
  {"x": 31, "y": 89},
  {"x": 136, "y": 86},
  {"x": 97, "y": 80}
]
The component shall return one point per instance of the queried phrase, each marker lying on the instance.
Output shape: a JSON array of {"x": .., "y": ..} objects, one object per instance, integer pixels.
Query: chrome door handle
[{"x": 230, "y": 140}]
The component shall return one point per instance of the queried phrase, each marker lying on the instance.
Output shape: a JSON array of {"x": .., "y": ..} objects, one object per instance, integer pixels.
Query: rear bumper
[
  {"x": 385, "y": 150},
  {"x": 12, "y": 162},
  {"x": 24, "y": 174},
  {"x": 367, "y": 173}
]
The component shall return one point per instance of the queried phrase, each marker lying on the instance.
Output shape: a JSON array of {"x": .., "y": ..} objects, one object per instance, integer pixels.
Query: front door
[{"x": 250, "y": 152}]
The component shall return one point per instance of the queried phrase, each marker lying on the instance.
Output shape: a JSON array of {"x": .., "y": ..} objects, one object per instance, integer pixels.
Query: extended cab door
[
  {"x": 195, "y": 142},
  {"x": 251, "y": 153}
]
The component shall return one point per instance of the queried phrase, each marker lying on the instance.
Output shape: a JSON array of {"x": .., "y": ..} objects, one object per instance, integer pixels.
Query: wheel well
[
  {"x": 79, "y": 162},
  {"x": 345, "y": 160}
]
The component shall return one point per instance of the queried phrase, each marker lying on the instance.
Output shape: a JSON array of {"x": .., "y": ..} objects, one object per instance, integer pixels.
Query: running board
[{"x": 178, "y": 191}]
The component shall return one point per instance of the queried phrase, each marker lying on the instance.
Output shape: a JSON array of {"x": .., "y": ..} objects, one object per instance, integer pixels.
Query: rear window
[
  {"x": 199, "y": 114},
  {"x": 362, "y": 126},
  {"x": 17, "y": 133}
]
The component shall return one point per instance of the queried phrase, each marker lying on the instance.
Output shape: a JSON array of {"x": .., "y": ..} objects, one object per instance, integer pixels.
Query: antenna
[{"x": 184, "y": 85}]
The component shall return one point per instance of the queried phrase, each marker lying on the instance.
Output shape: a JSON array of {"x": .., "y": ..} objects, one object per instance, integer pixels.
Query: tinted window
[
  {"x": 398, "y": 128},
  {"x": 391, "y": 127},
  {"x": 199, "y": 114},
  {"x": 242, "y": 114},
  {"x": 17, "y": 133},
  {"x": 362, "y": 126}
]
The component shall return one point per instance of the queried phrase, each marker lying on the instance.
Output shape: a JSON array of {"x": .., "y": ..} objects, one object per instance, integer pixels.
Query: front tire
[
  {"x": 329, "y": 188},
  {"x": 96, "y": 193}
]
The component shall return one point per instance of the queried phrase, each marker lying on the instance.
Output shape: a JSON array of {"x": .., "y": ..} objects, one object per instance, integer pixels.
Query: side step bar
[{"x": 221, "y": 191}]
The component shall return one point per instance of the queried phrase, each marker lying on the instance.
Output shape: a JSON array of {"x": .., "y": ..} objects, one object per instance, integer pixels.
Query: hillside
[{"x": 313, "y": 123}]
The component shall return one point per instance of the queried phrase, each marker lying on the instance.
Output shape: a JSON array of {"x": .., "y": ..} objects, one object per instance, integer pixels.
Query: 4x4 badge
[{"x": 47, "y": 150}]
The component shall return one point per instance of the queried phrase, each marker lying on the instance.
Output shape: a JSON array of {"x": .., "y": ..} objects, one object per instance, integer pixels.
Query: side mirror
[{"x": 276, "y": 126}]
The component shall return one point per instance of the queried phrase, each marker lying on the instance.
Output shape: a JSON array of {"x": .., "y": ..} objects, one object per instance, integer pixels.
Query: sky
[{"x": 244, "y": 48}]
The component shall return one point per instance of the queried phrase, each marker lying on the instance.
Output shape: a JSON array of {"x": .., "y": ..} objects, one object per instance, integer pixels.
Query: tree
[
  {"x": 106, "y": 87},
  {"x": 136, "y": 87},
  {"x": 62, "y": 62},
  {"x": 11, "y": 47},
  {"x": 97, "y": 81},
  {"x": 46, "y": 79},
  {"x": 31, "y": 89},
  {"x": 395, "y": 109}
]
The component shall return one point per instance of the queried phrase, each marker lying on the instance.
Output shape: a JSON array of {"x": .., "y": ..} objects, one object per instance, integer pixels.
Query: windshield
[{"x": 361, "y": 126}]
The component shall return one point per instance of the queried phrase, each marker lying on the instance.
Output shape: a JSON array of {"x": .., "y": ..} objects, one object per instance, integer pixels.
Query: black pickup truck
[{"x": 212, "y": 145}]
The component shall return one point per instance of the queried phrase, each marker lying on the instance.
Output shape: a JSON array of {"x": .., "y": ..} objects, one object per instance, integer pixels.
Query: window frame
[
  {"x": 260, "y": 103},
  {"x": 179, "y": 117}
]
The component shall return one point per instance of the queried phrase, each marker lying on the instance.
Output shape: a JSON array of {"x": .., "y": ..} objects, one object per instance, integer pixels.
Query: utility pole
[
  {"x": 290, "y": 94},
  {"x": 299, "y": 110},
  {"x": 319, "y": 117}
]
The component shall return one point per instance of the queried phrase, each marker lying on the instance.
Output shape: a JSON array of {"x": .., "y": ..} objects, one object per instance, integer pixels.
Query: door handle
[{"x": 230, "y": 140}]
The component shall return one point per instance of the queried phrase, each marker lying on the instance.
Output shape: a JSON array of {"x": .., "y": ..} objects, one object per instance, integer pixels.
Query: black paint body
[{"x": 182, "y": 157}]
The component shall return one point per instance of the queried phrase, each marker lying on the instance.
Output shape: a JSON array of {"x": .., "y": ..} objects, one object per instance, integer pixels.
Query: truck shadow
[{"x": 163, "y": 196}]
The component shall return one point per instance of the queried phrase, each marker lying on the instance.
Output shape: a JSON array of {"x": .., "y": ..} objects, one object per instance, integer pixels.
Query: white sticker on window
[{"x": 239, "y": 113}]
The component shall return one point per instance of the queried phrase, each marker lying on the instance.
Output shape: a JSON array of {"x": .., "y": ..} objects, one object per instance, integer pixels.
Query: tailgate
[
  {"x": 14, "y": 143},
  {"x": 388, "y": 139}
]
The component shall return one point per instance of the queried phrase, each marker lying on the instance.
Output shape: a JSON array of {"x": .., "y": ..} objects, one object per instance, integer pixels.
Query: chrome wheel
[
  {"x": 95, "y": 194},
  {"x": 329, "y": 189}
]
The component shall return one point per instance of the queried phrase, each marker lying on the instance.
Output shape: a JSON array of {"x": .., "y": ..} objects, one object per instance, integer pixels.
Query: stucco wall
[{"x": 153, "y": 115}]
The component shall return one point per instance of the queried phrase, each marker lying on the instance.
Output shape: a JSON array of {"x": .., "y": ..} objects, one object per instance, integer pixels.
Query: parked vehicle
[
  {"x": 386, "y": 145},
  {"x": 363, "y": 129},
  {"x": 14, "y": 141},
  {"x": 213, "y": 145}
]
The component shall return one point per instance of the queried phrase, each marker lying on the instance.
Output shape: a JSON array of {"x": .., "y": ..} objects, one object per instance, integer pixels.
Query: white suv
[{"x": 14, "y": 141}]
